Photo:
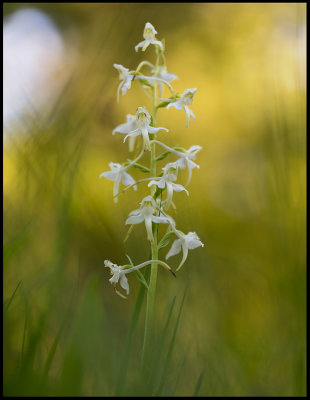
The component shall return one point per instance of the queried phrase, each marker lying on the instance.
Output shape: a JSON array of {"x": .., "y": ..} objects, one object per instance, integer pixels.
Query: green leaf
[
  {"x": 145, "y": 83},
  {"x": 163, "y": 155},
  {"x": 141, "y": 168},
  {"x": 181, "y": 149},
  {"x": 165, "y": 240},
  {"x": 141, "y": 278},
  {"x": 163, "y": 104}
]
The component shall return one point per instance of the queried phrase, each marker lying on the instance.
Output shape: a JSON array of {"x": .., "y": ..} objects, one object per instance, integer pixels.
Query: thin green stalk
[{"x": 154, "y": 247}]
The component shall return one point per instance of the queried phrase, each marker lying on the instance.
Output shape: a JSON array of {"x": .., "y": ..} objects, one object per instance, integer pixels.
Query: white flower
[
  {"x": 118, "y": 275},
  {"x": 149, "y": 36},
  {"x": 129, "y": 126},
  {"x": 186, "y": 160},
  {"x": 146, "y": 213},
  {"x": 143, "y": 120},
  {"x": 125, "y": 78},
  {"x": 118, "y": 174},
  {"x": 170, "y": 175},
  {"x": 184, "y": 101},
  {"x": 164, "y": 75},
  {"x": 190, "y": 241},
  {"x": 119, "y": 272}
]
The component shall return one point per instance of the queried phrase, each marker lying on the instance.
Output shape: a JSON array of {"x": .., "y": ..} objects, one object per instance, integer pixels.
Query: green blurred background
[{"x": 243, "y": 324}]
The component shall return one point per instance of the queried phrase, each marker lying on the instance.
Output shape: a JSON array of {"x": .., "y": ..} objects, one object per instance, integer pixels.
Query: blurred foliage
[{"x": 242, "y": 331}]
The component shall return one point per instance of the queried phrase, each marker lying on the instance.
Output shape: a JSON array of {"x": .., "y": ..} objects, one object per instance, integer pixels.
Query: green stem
[{"x": 154, "y": 247}]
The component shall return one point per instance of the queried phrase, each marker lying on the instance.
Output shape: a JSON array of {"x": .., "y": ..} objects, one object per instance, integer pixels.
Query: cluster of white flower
[{"x": 153, "y": 208}]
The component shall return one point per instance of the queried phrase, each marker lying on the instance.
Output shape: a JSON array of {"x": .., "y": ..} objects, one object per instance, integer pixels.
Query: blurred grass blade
[
  {"x": 53, "y": 348},
  {"x": 8, "y": 302},
  {"x": 163, "y": 336},
  {"x": 199, "y": 382},
  {"x": 170, "y": 349}
]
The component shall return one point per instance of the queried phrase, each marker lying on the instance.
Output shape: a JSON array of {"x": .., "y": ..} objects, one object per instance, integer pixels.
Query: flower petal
[
  {"x": 124, "y": 283},
  {"x": 161, "y": 183},
  {"x": 178, "y": 104},
  {"x": 111, "y": 175},
  {"x": 134, "y": 219},
  {"x": 131, "y": 143},
  {"x": 169, "y": 194},
  {"x": 127, "y": 84},
  {"x": 181, "y": 162},
  {"x": 141, "y": 44},
  {"x": 151, "y": 129},
  {"x": 178, "y": 188},
  {"x": 160, "y": 220},
  {"x": 158, "y": 42},
  {"x": 192, "y": 241},
  {"x": 123, "y": 128},
  {"x": 185, "y": 253},
  {"x": 148, "y": 225},
  {"x": 146, "y": 138},
  {"x": 175, "y": 249},
  {"x": 127, "y": 179}
]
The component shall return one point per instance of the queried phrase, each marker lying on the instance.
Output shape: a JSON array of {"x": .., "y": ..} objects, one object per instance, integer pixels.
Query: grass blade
[
  {"x": 12, "y": 297},
  {"x": 170, "y": 349},
  {"x": 199, "y": 382}
]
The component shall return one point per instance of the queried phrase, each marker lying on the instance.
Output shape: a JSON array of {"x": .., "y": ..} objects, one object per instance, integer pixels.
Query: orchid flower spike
[
  {"x": 143, "y": 120},
  {"x": 184, "y": 101},
  {"x": 149, "y": 36},
  {"x": 146, "y": 213},
  {"x": 185, "y": 242},
  {"x": 126, "y": 77},
  {"x": 129, "y": 126},
  {"x": 170, "y": 175},
  {"x": 118, "y": 174}
]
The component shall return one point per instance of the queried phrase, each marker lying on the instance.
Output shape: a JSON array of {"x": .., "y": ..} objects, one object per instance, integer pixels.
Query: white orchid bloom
[
  {"x": 149, "y": 36},
  {"x": 126, "y": 78},
  {"x": 162, "y": 76},
  {"x": 129, "y": 126},
  {"x": 186, "y": 157},
  {"x": 143, "y": 120},
  {"x": 170, "y": 175},
  {"x": 185, "y": 242},
  {"x": 146, "y": 213},
  {"x": 184, "y": 101},
  {"x": 119, "y": 273},
  {"x": 118, "y": 174}
]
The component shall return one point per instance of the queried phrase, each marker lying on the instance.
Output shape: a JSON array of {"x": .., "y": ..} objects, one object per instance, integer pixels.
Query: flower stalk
[{"x": 141, "y": 130}]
